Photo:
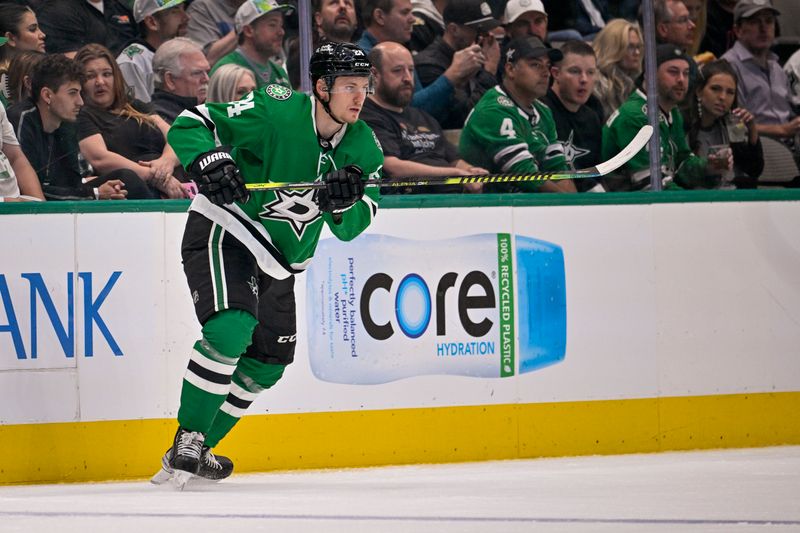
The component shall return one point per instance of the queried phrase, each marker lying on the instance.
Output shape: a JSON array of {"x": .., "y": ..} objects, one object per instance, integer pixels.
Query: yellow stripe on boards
[{"x": 94, "y": 451}]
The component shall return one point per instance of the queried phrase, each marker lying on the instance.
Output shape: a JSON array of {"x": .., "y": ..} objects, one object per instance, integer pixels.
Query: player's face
[
  {"x": 267, "y": 34},
  {"x": 66, "y": 102},
  {"x": 336, "y": 19},
  {"x": 347, "y": 97},
  {"x": 716, "y": 97},
  {"x": 529, "y": 24},
  {"x": 531, "y": 76},
  {"x": 98, "y": 84},
  {"x": 673, "y": 80},
  {"x": 574, "y": 78},
  {"x": 28, "y": 37},
  {"x": 395, "y": 81},
  {"x": 192, "y": 80},
  {"x": 245, "y": 85},
  {"x": 757, "y": 32},
  {"x": 399, "y": 20},
  {"x": 172, "y": 22}
]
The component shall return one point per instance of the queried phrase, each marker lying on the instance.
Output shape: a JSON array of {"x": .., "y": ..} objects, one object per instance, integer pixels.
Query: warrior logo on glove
[{"x": 218, "y": 177}]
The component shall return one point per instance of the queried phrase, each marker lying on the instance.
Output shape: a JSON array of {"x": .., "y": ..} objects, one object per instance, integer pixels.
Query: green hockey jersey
[
  {"x": 678, "y": 164},
  {"x": 264, "y": 74},
  {"x": 274, "y": 138},
  {"x": 504, "y": 138}
]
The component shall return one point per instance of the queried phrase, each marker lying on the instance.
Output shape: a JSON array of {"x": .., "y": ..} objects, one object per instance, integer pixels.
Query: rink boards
[{"x": 681, "y": 323}]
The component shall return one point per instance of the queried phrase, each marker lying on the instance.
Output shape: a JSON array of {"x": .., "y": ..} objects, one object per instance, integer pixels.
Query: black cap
[
  {"x": 523, "y": 47},
  {"x": 668, "y": 52},
  {"x": 473, "y": 13}
]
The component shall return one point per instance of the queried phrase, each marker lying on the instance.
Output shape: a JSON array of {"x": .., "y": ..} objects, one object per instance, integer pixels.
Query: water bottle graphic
[{"x": 383, "y": 308}]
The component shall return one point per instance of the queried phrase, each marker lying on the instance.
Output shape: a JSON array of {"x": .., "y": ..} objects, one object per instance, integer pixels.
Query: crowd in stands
[{"x": 89, "y": 88}]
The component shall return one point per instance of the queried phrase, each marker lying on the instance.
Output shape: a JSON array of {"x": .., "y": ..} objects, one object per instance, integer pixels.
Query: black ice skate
[
  {"x": 212, "y": 467},
  {"x": 184, "y": 456}
]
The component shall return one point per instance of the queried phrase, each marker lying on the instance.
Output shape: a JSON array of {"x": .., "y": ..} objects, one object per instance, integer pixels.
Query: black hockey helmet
[{"x": 331, "y": 59}]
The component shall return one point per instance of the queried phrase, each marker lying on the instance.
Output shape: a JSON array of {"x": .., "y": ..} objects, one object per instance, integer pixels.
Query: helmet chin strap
[{"x": 326, "y": 105}]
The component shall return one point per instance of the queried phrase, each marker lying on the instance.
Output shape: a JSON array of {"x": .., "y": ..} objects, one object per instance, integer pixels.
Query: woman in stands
[
  {"x": 716, "y": 123},
  {"x": 115, "y": 132},
  {"x": 619, "y": 49},
  {"x": 20, "y": 31},
  {"x": 230, "y": 82}
]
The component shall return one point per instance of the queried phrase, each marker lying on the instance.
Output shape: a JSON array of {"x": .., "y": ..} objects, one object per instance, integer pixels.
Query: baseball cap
[
  {"x": 249, "y": 11},
  {"x": 748, "y": 8},
  {"x": 145, "y": 8},
  {"x": 515, "y": 8},
  {"x": 668, "y": 52},
  {"x": 473, "y": 13},
  {"x": 524, "y": 47}
]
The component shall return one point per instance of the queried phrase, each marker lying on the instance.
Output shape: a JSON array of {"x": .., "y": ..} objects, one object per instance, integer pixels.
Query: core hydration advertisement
[{"x": 383, "y": 308}]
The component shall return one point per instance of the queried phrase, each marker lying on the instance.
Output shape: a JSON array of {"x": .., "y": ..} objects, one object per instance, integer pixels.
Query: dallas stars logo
[
  {"x": 296, "y": 208},
  {"x": 572, "y": 152},
  {"x": 253, "y": 283}
]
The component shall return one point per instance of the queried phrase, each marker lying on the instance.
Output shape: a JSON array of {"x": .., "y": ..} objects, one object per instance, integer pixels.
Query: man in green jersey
[
  {"x": 259, "y": 27},
  {"x": 510, "y": 131},
  {"x": 679, "y": 166},
  {"x": 242, "y": 249}
]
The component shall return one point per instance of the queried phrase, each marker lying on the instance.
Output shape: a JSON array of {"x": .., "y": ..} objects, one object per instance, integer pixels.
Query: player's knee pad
[
  {"x": 263, "y": 375},
  {"x": 230, "y": 331}
]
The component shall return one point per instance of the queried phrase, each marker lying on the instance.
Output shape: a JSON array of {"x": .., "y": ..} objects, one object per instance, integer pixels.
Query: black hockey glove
[
  {"x": 343, "y": 188},
  {"x": 218, "y": 177}
]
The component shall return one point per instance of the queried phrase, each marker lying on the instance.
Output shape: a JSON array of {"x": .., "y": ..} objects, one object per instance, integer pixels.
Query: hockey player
[
  {"x": 241, "y": 250},
  {"x": 511, "y": 131}
]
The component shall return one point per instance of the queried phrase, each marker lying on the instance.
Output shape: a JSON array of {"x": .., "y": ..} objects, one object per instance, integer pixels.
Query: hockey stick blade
[{"x": 625, "y": 155}]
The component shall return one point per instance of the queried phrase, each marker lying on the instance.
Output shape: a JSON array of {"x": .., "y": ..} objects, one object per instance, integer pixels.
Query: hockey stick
[{"x": 625, "y": 155}]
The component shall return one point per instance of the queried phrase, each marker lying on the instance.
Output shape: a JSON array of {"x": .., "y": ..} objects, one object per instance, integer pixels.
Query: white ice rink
[{"x": 714, "y": 491}]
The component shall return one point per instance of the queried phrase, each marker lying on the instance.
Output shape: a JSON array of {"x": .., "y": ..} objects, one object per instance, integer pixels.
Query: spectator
[
  {"x": 673, "y": 23},
  {"x": 679, "y": 166},
  {"x": 467, "y": 26},
  {"x": 70, "y": 24},
  {"x": 391, "y": 20},
  {"x": 718, "y": 36},
  {"x": 335, "y": 20},
  {"x": 229, "y": 83},
  {"x": 48, "y": 138},
  {"x": 159, "y": 21},
  {"x": 576, "y": 19},
  {"x": 619, "y": 62},
  {"x": 716, "y": 121},
  {"x": 259, "y": 25},
  {"x": 20, "y": 30},
  {"x": 511, "y": 131},
  {"x": 114, "y": 133},
  {"x": 428, "y": 23},
  {"x": 19, "y": 77},
  {"x": 412, "y": 141},
  {"x": 763, "y": 85},
  {"x": 181, "y": 77},
  {"x": 17, "y": 178},
  {"x": 525, "y": 18},
  {"x": 579, "y": 128},
  {"x": 792, "y": 69},
  {"x": 698, "y": 14},
  {"x": 211, "y": 26},
  {"x": 385, "y": 20}
]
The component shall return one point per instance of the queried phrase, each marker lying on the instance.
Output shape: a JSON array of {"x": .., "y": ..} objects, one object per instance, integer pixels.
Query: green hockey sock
[
  {"x": 226, "y": 335},
  {"x": 250, "y": 378}
]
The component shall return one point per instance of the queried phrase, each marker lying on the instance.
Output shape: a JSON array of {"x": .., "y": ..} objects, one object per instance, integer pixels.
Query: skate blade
[
  {"x": 181, "y": 478},
  {"x": 161, "y": 477}
]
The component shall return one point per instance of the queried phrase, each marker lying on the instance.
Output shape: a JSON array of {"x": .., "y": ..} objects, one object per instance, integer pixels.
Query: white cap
[
  {"x": 253, "y": 9},
  {"x": 515, "y": 8},
  {"x": 145, "y": 8}
]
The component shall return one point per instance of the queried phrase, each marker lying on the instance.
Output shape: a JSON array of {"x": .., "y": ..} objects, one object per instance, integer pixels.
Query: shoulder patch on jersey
[
  {"x": 505, "y": 101},
  {"x": 279, "y": 92},
  {"x": 377, "y": 142},
  {"x": 133, "y": 50}
]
